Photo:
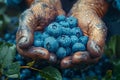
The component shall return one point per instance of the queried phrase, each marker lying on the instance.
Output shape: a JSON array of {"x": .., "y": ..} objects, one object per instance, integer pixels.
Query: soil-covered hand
[
  {"x": 39, "y": 15},
  {"x": 89, "y": 14}
]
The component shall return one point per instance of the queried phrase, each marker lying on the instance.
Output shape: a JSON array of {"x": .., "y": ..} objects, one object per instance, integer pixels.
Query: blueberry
[
  {"x": 72, "y": 21},
  {"x": 68, "y": 51},
  {"x": 77, "y": 31},
  {"x": 21, "y": 62},
  {"x": 37, "y": 35},
  {"x": 10, "y": 41},
  {"x": 7, "y": 36},
  {"x": 65, "y": 78},
  {"x": 51, "y": 44},
  {"x": 13, "y": 2},
  {"x": 27, "y": 72},
  {"x": 64, "y": 40},
  {"x": 83, "y": 76},
  {"x": 61, "y": 53},
  {"x": 18, "y": 57},
  {"x": 60, "y": 18},
  {"x": 17, "y": 1},
  {"x": 74, "y": 39},
  {"x": 78, "y": 47},
  {"x": 32, "y": 78},
  {"x": 22, "y": 76},
  {"x": 54, "y": 29},
  {"x": 0, "y": 39},
  {"x": 64, "y": 24},
  {"x": 68, "y": 73},
  {"x": 38, "y": 77},
  {"x": 38, "y": 43},
  {"x": 44, "y": 35},
  {"x": 91, "y": 73},
  {"x": 66, "y": 31},
  {"x": 83, "y": 39},
  {"x": 12, "y": 37}
]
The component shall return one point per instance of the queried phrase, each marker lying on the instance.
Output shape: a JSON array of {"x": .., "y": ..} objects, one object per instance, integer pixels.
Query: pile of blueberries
[
  {"x": 66, "y": 38},
  {"x": 62, "y": 37}
]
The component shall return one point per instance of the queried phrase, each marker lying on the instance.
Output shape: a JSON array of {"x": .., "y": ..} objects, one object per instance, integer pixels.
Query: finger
[
  {"x": 24, "y": 35},
  {"x": 66, "y": 62},
  {"x": 83, "y": 57},
  {"x": 34, "y": 53},
  {"x": 97, "y": 36}
]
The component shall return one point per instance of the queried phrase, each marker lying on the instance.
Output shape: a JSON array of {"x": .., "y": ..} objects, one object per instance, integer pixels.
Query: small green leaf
[
  {"x": 116, "y": 67},
  {"x": 8, "y": 59},
  {"x": 113, "y": 47},
  {"x": 13, "y": 70},
  {"x": 108, "y": 75},
  {"x": 51, "y": 73}
]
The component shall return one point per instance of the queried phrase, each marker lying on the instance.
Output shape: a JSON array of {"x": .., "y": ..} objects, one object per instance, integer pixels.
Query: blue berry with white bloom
[
  {"x": 37, "y": 35},
  {"x": 78, "y": 47},
  {"x": 74, "y": 39},
  {"x": 68, "y": 73},
  {"x": 77, "y": 31},
  {"x": 64, "y": 40},
  {"x": 51, "y": 44},
  {"x": 64, "y": 24},
  {"x": 83, "y": 39},
  {"x": 44, "y": 35},
  {"x": 54, "y": 29},
  {"x": 68, "y": 51},
  {"x": 60, "y": 18},
  {"x": 7, "y": 36},
  {"x": 66, "y": 31},
  {"x": 72, "y": 21},
  {"x": 61, "y": 53},
  {"x": 38, "y": 43}
]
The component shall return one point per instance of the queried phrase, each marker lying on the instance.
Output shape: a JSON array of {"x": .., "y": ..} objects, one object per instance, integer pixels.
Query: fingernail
[
  {"x": 66, "y": 62},
  {"x": 53, "y": 58},
  {"x": 79, "y": 57}
]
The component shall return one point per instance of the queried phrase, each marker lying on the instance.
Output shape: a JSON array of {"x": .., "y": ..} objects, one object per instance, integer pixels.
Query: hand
[
  {"x": 89, "y": 14},
  {"x": 39, "y": 15}
]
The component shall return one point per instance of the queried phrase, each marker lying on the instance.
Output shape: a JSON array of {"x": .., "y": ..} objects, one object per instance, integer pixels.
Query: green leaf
[
  {"x": 8, "y": 59},
  {"x": 113, "y": 46},
  {"x": 116, "y": 67},
  {"x": 7, "y": 54},
  {"x": 13, "y": 70},
  {"x": 108, "y": 75},
  {"x": 51, "y": 73}
]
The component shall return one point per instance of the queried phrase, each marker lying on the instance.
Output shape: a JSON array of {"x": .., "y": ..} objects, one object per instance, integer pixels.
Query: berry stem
[{"x": 28, "y": 67}]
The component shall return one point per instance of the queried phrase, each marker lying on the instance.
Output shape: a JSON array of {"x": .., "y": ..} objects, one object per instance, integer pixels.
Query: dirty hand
[
  {"x": 39, "y": 15},
  {"x": 89, "y": 14}
]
